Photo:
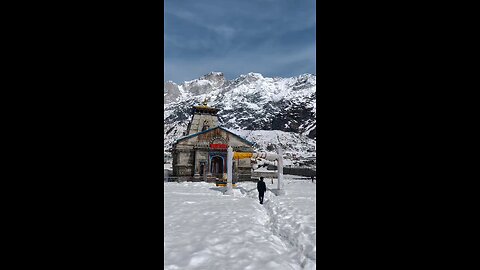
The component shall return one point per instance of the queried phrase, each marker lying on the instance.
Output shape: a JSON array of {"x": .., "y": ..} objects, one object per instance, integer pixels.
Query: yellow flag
[{"x": 242, "y": 155}]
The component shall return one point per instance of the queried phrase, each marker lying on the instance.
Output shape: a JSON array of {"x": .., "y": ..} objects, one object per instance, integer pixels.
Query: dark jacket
[{"x": 261, "y": 187}]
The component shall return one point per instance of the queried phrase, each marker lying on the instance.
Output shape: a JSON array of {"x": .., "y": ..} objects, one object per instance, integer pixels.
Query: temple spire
[{"x": 204, "y": 117}]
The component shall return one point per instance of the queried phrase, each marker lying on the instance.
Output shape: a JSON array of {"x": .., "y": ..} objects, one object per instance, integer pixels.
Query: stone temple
[{"x": 202, "y": 153}]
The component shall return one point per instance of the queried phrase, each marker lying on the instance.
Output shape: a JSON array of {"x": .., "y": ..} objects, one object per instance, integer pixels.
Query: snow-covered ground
[{"x": 204, "y": 229}]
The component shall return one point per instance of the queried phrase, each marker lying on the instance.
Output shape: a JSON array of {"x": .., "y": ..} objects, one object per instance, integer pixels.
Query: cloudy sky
[{"x": 272, "y": 37}]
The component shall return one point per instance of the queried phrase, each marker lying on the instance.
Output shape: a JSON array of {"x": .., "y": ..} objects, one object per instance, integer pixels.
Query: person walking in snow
[{"x": 261, "y": 187}]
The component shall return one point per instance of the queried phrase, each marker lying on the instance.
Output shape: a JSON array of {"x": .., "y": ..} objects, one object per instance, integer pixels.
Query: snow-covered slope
[{"x": 278, "y": 109}]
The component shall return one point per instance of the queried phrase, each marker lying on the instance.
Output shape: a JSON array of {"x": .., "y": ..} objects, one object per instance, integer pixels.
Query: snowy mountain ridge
[{"x": 251, "y": 102}]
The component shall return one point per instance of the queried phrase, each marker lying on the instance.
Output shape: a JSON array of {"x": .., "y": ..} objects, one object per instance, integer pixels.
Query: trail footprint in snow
[{"x": 262, "y": 220}]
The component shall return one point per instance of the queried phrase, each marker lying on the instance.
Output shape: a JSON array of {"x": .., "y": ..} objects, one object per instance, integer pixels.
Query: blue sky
[{"x": 272, "y": 37}]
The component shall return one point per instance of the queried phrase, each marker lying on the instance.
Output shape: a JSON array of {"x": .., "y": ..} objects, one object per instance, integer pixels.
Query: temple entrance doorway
[{"x": 216, "y": 165}]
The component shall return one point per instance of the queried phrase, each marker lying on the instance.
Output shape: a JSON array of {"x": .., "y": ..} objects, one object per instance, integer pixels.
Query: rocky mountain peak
[
  {"x": 171, "y": 92},
  {"x": 249, "y": 102},
  {"x": 213, "y": 76},
  {"x": 217, "y": 79}
]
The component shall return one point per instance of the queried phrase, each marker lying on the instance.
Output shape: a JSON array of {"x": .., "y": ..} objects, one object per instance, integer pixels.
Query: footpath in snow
[{"x": 204, "y": 229}]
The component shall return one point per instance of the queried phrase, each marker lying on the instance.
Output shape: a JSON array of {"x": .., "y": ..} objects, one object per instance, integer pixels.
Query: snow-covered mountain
[{"x": 282, "y": 108}]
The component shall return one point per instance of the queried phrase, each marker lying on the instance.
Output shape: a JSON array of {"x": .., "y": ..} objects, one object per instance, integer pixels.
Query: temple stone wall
[
  {"x": 183, "y": 162},
  {"x": 190, "y": 152}
]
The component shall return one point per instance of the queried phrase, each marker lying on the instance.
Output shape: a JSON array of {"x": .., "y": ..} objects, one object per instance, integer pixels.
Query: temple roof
[{"x": 205, "y": 131}]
